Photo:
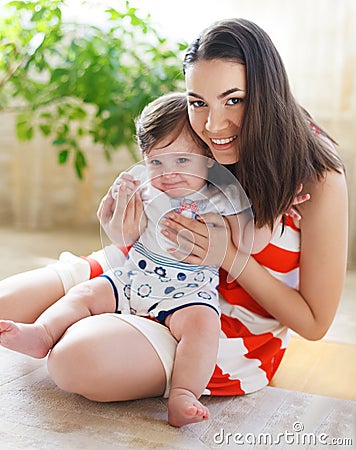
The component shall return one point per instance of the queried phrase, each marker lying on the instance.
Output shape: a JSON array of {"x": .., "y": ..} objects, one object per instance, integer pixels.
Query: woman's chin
[
  {"x": 225, "y": 156},
  {"x": 225, "y": 159}
]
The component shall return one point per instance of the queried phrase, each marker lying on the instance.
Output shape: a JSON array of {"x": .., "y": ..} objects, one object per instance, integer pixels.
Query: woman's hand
[
  {"x": 202, "y": 242},
  {"x": 293, "y": 212},
  {"x": 121, "y": 214}
]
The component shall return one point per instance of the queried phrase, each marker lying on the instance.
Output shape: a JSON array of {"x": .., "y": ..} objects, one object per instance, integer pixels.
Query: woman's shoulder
[
  {"x": 328, "y": 199},
  {"x": 330, "y": 184}
]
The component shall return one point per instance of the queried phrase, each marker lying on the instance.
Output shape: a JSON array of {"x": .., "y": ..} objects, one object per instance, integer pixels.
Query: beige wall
[
  {"x": 317, "y": 40},
  {"x": 36, "y": 192}
]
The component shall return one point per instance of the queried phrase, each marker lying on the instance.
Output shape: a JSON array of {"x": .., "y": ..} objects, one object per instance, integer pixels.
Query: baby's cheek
[{"x": 156, "y": 183}]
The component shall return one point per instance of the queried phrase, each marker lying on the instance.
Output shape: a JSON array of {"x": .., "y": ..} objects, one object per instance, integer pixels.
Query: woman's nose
[{"x": 215, "y": 122}]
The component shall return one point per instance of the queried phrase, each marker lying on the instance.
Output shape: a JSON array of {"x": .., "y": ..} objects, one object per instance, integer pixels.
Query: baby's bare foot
[
  {"x": 29, "y": 339},
  {"x": 184, "y": 408}
]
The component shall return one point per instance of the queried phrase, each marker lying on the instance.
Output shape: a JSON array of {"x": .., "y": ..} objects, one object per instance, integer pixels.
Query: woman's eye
[
  {"x": 234, "y": 101},
  {"x": 197, "y": 103}
]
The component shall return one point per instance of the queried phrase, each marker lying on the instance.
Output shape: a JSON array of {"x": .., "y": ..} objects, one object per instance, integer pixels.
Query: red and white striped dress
[{"x": 252, "y": 342}]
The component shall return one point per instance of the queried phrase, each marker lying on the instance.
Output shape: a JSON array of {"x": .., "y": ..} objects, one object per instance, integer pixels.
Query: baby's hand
[
  {"x": 128, "y": 181},
  {"x": 121, "y": 211}
]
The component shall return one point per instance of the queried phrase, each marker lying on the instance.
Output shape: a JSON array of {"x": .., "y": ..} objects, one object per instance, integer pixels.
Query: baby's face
[{"x": 180, "y": 168}]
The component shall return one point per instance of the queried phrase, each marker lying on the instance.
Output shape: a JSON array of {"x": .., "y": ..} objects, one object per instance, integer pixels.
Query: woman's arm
[
  {"x": 251, "y": 240},
  {"x": 310, "y": 310},
  {"x": 245, "y": 236}
]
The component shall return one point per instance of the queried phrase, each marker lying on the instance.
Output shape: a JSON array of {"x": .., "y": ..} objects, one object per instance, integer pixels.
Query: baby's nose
[{"x": 169, "y": 174}]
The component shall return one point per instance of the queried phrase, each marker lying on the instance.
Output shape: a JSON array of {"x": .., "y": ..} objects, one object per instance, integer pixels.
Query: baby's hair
[{"x": 163, "y": 117}]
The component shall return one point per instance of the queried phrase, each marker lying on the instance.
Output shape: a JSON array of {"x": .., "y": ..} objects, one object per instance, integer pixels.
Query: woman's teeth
[{"x": 223, "y": 141}]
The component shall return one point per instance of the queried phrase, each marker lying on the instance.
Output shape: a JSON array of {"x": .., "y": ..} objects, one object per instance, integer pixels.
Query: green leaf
[
  {"x": 60, "y": 141},
  {"x": 46, "y": 115},
  {"x": 114, "y": 15},
  {"x": 80, "y": 163},
  {"x": 24, "y": 130},
  {"x": 63, "y": 156},
  {"x": 46, "y": 129},
  {"x": 29, "y": 133},
  {"x": 182, "y": 46}
]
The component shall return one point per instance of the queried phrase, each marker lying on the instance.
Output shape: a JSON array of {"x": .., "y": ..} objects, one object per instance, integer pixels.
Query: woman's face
[{"x": 216, "y": 93}]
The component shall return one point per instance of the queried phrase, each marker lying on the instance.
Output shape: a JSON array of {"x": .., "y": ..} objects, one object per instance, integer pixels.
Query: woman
[{"x": 240, "y": 104}]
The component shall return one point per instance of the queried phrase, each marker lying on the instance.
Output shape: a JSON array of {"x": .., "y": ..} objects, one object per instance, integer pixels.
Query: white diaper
[{"x": 160, "y": 338}]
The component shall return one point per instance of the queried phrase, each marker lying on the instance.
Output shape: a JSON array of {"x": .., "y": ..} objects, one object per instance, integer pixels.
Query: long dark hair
[{"x": 280, "y": 147}]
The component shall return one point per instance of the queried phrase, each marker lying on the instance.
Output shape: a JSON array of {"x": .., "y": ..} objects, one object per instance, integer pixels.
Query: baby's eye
[
  {"x": 182, "y": 160},
  {"x": 155, "y": 162},
  {"x": 234, "y": 101}
]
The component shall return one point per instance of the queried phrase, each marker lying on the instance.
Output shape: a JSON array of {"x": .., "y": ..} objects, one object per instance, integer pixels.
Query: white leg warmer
[{"x": 71, "y": 269}]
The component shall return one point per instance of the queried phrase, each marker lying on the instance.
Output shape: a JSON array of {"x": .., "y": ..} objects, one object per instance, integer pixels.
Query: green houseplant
[{"x": 70, "y": 81}]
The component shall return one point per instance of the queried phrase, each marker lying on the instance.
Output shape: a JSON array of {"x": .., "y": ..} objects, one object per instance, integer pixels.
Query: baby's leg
[
  {"x": 197, "y": 329},
  {"x": 23, "y": 297},
  {"x": 86, "y": 299}
]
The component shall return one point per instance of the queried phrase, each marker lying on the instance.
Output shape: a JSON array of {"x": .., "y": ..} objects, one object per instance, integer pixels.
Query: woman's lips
[{"x": 223, "y": 141}]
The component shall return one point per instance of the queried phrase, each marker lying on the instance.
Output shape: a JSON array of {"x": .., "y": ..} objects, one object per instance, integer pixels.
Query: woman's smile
[
  {"x": 223, "y": 144},
  {"x": 223, "y": 141}
]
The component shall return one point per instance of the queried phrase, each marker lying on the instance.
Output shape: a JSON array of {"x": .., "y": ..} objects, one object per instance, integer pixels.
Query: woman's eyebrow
[
  {"x": 193, "y": 94},
  {"x": 230, "y": 91},
  {"x": 220, "y": 96}
]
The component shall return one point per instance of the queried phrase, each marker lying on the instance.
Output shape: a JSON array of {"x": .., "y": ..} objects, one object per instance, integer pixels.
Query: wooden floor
[{"x": 322, "y": 367}]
